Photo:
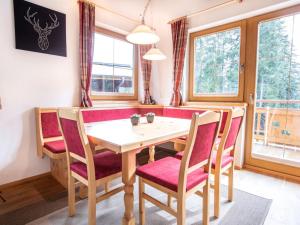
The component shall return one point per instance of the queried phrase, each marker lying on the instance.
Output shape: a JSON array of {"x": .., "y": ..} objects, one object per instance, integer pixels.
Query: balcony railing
[{"x": 277, "y": 125}]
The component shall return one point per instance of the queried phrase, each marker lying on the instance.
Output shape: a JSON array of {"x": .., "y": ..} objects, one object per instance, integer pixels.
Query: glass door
[
  {"x": 274, "y": 96},
  {"x": 277, "y": 90}
]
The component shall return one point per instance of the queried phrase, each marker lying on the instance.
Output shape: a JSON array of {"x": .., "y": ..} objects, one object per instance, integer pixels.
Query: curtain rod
[
  {"x": 208, "y": 9},
  {"x": 111, "y": 11}
]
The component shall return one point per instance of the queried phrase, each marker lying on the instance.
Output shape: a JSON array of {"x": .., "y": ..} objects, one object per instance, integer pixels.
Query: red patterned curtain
[
  {"x": 179, "y": 37},
  {"x": 146, "y": 66},
  {"x": 86, "y": 49}
]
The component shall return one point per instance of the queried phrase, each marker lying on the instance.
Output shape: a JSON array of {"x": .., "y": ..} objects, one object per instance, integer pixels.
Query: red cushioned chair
[
  {"x": 223, "y": 157},
  {"x": 90, "y": 169},
  {"x": 181, "y": 178},
  {"x": 186, "y": 113}
]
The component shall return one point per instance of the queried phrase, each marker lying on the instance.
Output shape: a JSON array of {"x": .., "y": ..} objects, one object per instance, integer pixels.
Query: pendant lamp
[
  {"x": 143, "y": 34},
  {"x": 154, "y": 54}
]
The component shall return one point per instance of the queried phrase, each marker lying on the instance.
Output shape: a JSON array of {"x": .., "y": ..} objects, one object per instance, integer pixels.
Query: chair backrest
[
  {"x": 235, "y": 127},
  {"x": 231, "y": 131},
  {"x": 202, "y": 136},
  {"x": 47, "y": 127},
  {"x": 76, "y": 141},
  {"x": 232, "y": 128}
]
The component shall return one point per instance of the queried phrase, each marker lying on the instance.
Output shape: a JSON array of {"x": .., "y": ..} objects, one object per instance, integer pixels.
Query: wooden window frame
[
  {"x": 119, "y": 96},
  {"x": 259, "y": 164},
  {"x": 218, "y": 98}
]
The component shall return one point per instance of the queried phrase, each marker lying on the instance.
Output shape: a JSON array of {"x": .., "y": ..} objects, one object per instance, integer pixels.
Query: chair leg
[
  {"x": 106, "y": 187},
  {"x": 71, "y": 195},
  {"x": 217, "y": 196},
  {"x": 230, "y": 183},
  {"x": 169, "y": 200},
  {"x": 141, "y": 202},
  {"x": 181, "y": 211},
  {"x": 92, "y": 204},
  {"x": 205, "y": 212},
  {"x": 151, "y": 154}
]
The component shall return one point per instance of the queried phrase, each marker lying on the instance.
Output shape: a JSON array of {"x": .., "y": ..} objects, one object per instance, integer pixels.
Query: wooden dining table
[{"x": 123, "y": 138}]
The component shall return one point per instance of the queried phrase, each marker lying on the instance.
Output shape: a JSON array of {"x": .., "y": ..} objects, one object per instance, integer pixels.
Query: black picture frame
[{"x": 39, "y": 29}]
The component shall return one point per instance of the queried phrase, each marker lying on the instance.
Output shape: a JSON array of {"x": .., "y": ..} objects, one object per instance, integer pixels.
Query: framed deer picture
[{"x": 39, "y": 29}]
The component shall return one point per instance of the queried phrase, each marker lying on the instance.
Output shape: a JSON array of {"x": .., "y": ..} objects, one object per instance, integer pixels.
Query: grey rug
[{"x": 247, "y": 209}]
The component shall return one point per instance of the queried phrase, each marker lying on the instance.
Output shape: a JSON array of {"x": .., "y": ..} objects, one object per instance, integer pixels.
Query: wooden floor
[{"x": 28, "y": 193}]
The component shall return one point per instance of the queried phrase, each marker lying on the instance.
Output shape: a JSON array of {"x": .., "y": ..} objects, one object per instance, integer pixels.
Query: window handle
[{"x": 242, "y": 68}]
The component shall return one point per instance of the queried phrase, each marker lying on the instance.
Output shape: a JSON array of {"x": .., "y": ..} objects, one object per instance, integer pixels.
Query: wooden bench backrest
[{"x": 47, "y": 127}]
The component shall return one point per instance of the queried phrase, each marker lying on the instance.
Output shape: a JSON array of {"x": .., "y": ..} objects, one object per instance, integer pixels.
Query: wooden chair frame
[
  {"x": 91, "y": 182},
  {"x": 40, "y": 140},
  {"x": 181, "y": 195},
  {"x": 228, "y": 170}
]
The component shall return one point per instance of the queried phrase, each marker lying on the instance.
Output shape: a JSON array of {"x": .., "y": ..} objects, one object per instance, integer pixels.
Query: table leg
[
  {"x": 151, "y": 154},
  {"x": 128, "y": 178}
]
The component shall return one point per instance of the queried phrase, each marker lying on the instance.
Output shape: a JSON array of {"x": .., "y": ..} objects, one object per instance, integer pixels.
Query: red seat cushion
[
  {"x": 165, "y": 172},
  {"x": 106, "y": 163},
  {"x": 55, "y": 147},
  {"x": 225, "y": 161}
]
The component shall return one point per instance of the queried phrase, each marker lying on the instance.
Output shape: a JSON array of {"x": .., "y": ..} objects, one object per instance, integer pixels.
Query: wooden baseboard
[
  {"x": 25, "y": 180},
  {"x": 291, "y": 178}
]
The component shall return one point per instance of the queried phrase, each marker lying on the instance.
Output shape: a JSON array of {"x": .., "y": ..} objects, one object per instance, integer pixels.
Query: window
[
  {"x": 215, "y": 58},
  {"x": 114, "y": 73}
]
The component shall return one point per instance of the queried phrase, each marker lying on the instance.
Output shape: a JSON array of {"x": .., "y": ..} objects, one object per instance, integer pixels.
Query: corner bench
[{"x": 50, "y": 141}]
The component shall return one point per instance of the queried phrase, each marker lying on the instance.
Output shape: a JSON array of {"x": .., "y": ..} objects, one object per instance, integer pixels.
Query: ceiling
[{"x": 170, "y": 8}]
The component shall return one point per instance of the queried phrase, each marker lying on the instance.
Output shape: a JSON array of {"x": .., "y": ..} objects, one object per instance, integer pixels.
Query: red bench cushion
[
  {"x": 106, "y": 163},
  {"x": 157, "y": 111},
  {"x": 49, "y": 123},
  {"x": 165, "y": 172},
  {"x": 181, "y": 113},
  {"x": 98, "y": 115},
  {"x": 55, "y": 147}
]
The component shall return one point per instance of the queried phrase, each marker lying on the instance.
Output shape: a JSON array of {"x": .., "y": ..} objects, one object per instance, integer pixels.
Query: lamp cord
[{"x": 145, "y": 10}]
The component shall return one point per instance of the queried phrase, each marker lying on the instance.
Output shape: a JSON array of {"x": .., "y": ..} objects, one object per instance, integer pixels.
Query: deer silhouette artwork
[{"x": 43, "y": 33}]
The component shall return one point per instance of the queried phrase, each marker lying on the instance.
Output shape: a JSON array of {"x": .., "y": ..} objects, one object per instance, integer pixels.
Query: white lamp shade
[
  {"x": 142, "y": 35},
  {"x": 154, "y": 54}
]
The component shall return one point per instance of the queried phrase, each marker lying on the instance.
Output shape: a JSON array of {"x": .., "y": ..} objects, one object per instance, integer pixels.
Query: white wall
[{"x": 28, "y": 80}]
